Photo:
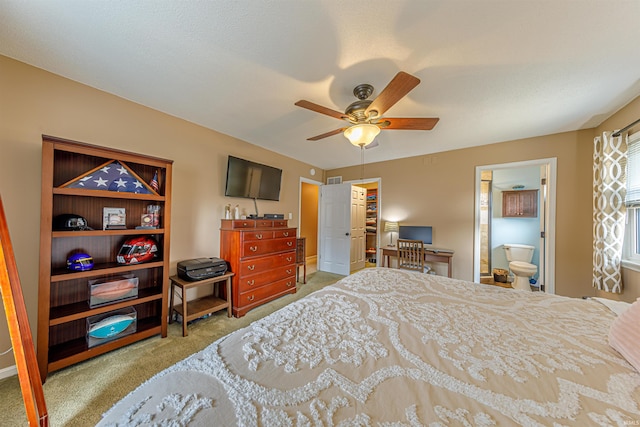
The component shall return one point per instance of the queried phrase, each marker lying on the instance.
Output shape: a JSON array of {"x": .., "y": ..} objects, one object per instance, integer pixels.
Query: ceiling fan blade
[
  {"x": 410, "y": 123},
  {"x": 325, "y": 135},
  {"x": 401, "y": 85},
  {"x": 322, "y": 110}
]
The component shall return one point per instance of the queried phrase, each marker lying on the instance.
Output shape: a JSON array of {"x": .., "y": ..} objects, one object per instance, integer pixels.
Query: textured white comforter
[{"x": 387, "y": 347}]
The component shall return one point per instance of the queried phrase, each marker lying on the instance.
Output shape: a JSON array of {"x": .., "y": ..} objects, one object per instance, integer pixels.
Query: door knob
[{"x": 346, "y": 234}]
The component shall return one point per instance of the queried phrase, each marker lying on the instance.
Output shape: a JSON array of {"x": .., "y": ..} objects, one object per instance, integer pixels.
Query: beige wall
[
  {"x": 439, "y": 190},
  {"x": 35, "y": 102},
  {"x": 435, "y": 189}
]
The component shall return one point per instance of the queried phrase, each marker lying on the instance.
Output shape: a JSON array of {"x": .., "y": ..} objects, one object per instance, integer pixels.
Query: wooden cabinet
[
  {"x": 262, "y": 254},
  {"x": 520, "y": 204},
  {"x": 64, "y": 311}
]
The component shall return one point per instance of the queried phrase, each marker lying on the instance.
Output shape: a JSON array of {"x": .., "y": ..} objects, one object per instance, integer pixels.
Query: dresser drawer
[
  {"x": 286, "y": 232},
  {"x": 249, "y": 283},
  {"x": 255, "y": 296},
  {"x": 238, "y": 223},
  {"x": 262, "y": 247},
  {"x": 258, "y": 265},
  {"x": 264, "y": 223},
  {"x": 257, "y": 235}
]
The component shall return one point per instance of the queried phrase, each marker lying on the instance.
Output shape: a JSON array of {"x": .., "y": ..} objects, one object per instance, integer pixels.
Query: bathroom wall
[{"x": 513, "y": 230}]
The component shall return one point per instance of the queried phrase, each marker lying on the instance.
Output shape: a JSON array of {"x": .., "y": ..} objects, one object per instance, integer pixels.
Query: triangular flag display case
[
  {"x": 111, "y": 176},
  {"x": 65, "y": 316}
]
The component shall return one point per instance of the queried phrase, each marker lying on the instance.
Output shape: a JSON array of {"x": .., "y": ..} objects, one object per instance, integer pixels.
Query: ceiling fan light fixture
[{"x": 361, "y": 134}]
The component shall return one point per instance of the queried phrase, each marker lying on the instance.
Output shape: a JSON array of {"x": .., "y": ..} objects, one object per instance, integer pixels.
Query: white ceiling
[{"x": 491, "y": 70}]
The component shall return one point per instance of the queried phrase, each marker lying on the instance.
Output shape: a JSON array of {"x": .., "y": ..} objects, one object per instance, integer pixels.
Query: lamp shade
[
  {"x": 391, "y": 226},
  {"x": 362, "y": 134}
]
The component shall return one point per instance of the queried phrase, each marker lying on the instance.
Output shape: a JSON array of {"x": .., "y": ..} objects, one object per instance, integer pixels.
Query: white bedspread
[{"x": 384, "y": 347}]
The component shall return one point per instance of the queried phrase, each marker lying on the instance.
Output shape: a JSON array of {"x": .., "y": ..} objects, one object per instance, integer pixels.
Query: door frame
[
  {"x": 318, "y": 184},
  {"x": 547, "y": 216},
  {"x": 378, "y": 181}
]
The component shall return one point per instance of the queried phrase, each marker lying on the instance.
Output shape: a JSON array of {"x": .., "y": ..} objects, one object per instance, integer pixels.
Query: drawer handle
[
  {"x": 251, "y": 282},
  {"x": 244, "y": 224},
  {"x": 253, "y": 248},
  {"x": 289, "y": 259},
  {"x": 258, "y": 236},
  {"x": 289, "y": 243},
  {"x": 289, "y": 271},
  {"x": 250, "y": 298},
  {"x": 251, "y": 267},
  {"x": 286, "y": 234},
  {"x": 289, "y": 284}
]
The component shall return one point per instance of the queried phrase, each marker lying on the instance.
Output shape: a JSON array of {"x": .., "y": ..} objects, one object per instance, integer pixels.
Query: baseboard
[{"x": 8, "y": 372}]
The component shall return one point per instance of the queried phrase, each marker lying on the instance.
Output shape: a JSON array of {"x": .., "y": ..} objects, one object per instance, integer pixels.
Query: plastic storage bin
[
  {"x": 109, "y": 326},
  {"x": 116, "y": 289}
]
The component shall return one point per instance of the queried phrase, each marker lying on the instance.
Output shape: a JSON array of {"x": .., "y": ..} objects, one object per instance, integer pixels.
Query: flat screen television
[
  {"x": 252, "y": 180},
  {"x": 411, "y": 232}
]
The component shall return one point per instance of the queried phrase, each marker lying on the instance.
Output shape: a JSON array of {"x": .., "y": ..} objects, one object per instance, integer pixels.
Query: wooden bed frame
[{"x": 21, "y": 339}]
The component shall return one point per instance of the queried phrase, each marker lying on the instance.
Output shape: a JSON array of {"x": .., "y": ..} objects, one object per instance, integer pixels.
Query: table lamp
[{"x": 391, "y": 226}]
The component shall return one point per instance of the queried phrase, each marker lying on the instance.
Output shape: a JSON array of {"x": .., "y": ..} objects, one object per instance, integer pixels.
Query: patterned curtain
[{"x": 609, "y": 180}]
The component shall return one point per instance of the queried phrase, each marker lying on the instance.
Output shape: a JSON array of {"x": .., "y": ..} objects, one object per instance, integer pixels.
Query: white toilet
[{"x": 519, "y": 257}]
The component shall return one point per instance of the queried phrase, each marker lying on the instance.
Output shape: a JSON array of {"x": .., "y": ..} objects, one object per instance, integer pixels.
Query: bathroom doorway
[{"x": 492, "y": 230}]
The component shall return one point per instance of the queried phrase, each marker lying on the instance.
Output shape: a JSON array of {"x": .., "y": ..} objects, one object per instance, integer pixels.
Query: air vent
[{"x": 334, "y": 180}]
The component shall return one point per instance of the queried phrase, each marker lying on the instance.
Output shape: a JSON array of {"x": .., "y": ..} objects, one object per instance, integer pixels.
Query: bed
[{"x": 386, "y": 347}]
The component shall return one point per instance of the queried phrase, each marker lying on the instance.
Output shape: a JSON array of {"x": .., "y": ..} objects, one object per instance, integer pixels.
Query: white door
[
  {"x": 335, "y": 225},
  {"x": 336, "y": 208},
  {"x": 542, "y": 214},
  {"x": 358, "y": 224}
]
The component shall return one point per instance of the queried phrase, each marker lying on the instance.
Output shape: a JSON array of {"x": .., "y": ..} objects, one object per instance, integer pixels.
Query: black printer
[{"x": 201, "y": 268}]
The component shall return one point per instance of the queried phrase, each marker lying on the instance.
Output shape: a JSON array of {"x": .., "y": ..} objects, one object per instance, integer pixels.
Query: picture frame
[
  {"x": 147, "y": 221},
  {"x": 114, "y": 219}
]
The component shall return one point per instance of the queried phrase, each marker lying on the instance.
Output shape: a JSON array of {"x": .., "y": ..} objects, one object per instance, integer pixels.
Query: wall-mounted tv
[{"x": 252, "y": 180}]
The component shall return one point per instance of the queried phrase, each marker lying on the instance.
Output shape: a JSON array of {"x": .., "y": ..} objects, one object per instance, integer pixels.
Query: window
[{"x": 631, "y": 247}]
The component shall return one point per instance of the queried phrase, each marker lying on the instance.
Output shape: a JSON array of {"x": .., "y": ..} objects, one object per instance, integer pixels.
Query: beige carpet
[{"x": 78, "y": 395}]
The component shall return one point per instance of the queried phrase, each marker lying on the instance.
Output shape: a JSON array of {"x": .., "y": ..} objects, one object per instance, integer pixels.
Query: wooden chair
[
  {"x": 411, "y": 255},
  {"x": 19, "y": 331},
  {"x": 301, "y": 258}
]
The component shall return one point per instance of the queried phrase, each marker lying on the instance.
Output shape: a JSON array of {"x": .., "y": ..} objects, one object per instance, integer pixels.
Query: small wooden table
[
  {"x": 430, "y": 254},
  {"x": 190, "y": 310}
]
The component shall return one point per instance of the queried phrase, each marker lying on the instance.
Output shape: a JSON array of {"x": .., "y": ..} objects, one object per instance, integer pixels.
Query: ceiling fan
[{"x": 365, "y": 115}]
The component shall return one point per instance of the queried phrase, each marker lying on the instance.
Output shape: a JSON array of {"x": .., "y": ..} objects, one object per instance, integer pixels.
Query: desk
[
  {"x": 199, "y": 307},
  {"x": 430, "y": 255}
]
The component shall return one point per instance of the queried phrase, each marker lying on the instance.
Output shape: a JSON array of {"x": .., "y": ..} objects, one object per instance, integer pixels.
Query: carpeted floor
[{"x": 78, "y": 395}]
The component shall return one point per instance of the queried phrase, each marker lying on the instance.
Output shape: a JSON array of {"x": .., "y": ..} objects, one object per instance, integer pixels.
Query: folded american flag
[{"x": 111, "y": 176}]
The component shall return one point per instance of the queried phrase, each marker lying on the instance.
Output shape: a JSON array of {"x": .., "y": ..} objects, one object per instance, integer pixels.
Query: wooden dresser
[{"x": 262, "y": 254}]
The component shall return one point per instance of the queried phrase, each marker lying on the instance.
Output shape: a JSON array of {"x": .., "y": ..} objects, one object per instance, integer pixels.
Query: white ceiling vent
[{"x": 334, "y": 180}]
